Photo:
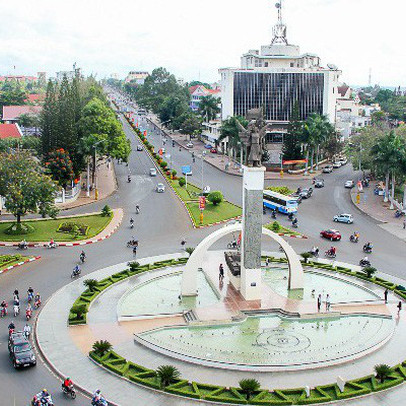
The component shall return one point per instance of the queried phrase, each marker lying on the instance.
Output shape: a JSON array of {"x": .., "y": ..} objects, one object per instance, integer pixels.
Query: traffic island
[{"x": 9, "y": 262}]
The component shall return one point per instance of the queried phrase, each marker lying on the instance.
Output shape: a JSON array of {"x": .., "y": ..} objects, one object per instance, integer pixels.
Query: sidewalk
[
  {"x": 220, "y": 161},
  {"x": 374, "y": 206},
  {"x": 106, "y": 185}
]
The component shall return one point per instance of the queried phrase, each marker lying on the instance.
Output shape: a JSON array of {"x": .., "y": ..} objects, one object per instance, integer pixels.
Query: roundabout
[{"x": 286, "y": 339}]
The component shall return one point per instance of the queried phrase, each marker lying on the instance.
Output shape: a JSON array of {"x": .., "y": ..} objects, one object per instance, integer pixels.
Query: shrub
[
  {"x": 102, "y": 347},
  {"x": 73, "y": 228},
  {"x": 91, "y": 284},
  {"x": 249, "y": 386},
  {"x": 283, "y": 190},
  {"x": 78, "y": 310},
  {"x": 370, "y": 271},
  {"x": 275, "y": 226},
  {"x": 167, "y": 374},
  {"x": 189, "y": 250},
  {"x": 215, "y": 197},
  {"x": 174, "y": 173},
  {"x": 106, "y": 211},
  {"x": 19, "y": 229},
  {"x": 164, "y": 164},
  {"x": 382, "y": 371},
  {"x": 306, "y": 256},
  {"x": 134, "y": 266},
  {"x": 182, "y": 182}
]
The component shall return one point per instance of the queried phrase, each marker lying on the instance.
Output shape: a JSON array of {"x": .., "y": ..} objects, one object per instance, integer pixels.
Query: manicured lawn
[
  {"x": 46, "y": 229},
  {"x": 282, "y": 229},
  {"x": 213, "y": 214},
  {"x": 8, "y": 260},
  {"x": 191, "y": 193}
]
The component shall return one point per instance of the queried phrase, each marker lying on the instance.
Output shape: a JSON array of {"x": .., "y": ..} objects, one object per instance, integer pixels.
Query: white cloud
[{"x": 193, "y": 38}]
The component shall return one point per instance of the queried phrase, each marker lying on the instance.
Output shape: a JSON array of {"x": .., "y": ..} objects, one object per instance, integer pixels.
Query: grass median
[{"x": 44, "y": 230}]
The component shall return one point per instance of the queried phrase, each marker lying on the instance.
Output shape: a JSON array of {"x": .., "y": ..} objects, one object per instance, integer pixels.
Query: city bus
[{"x": 284, "y": 204}]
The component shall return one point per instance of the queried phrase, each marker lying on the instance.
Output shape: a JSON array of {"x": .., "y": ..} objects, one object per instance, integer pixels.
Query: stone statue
[{"x": 253, "y": 137}]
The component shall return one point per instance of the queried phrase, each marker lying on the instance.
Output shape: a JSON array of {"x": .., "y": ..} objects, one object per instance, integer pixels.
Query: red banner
[
  {"x": 202, "y": 202},
  {"x": 297, "y": 161}
]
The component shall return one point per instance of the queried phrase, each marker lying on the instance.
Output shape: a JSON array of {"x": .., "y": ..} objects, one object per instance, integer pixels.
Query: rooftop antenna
[
  {"x": 370, "y": 77},
  {"x": 279, "y": 30}
]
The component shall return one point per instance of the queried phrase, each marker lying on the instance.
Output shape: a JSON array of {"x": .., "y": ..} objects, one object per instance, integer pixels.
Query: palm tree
[
  {"x": 209, "y": 107},
  {"x": 91, "y": 284},
  {"x": 189, "y": 250},
  {"x": 249, "y": 387},
  {"x": 230, "y": 130},
  {"x": 306, "y": 256},
  {"x": 382, "y": 371},
  {"x": 102, "y": 347},
  {"x": 370, "y": 271},
  {"x": 167, "y": 374},
  {"x": 79, "y": 310}
]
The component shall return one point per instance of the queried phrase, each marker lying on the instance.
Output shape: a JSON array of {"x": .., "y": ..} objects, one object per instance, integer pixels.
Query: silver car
[
  {"x": 344, "y": 218},
  {"x": 152, "y": 172},
  {"x": 160, "y": 188}
]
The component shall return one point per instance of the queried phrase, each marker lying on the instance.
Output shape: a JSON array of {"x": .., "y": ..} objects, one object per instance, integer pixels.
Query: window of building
[
  {"x": 266, "y": 64},
  {"x": 292, "y": 64},
  {"x": 274, "y": 138}
]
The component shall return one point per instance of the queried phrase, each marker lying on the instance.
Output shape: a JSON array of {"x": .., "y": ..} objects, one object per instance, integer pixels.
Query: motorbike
[
  {"x": 16, "y": 310},
  {"x": 39, "y": 400},
  {"x": 82, "y": 258},
  {"x": 330, "y": 254},
  {"x": 28, "y": 314},
  {"x": 3, "y": 312},
  {"x": 52, "y": 246},
  {"x": 315, "y": 253},
  {"x": 37, "y": 304},
  {"x": 291, "y": 216},
  {"x": 132, "y": 225},
  {"x": 75, "y": 272},
  {"x": 99, "y": 402},
  {"x": 295, "y": 224},
  {"x": 69, "y": 391},
  {"x": 353, "y": 238},
  {"x": 273, "y": 215},
  {"x": 137, "y": 210},
  {"x": 399, "y": 213},
  {"x": 129, "y": 180},
  {"x": 367, "y": 249},
  {"x": 132, "y": 244},
  {"x": 22, "y": 246},
  {"x": 364, "y": 263},
  {"x": 232, "y": 245}
]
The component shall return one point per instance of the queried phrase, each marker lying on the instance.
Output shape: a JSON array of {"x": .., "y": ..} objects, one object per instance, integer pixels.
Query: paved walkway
[
  {"x": 66, "y": 349},
  {"x": 106, "y": 233},
  {"x": 375, "y": 207}
]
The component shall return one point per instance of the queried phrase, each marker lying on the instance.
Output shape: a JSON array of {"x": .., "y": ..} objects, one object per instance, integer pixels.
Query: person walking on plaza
[
  {"x": 404, "y": 224},
  {"x": 399, "y": 307},
  {"x": 221, "y": 273},
  {"x": 319, "y": 302},
  {"x": 386, "y": 295},
  {"x": 328, "y": 303}
]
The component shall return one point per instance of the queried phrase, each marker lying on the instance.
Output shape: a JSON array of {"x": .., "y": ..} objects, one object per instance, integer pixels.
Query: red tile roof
[
  {"x": 214, "y": 91},
  {"x": 13, "y": 112},
  {"x": 192, "y": 89},
  {"x": 35, "y": 98},
  {"x": 9, "y": 131}
]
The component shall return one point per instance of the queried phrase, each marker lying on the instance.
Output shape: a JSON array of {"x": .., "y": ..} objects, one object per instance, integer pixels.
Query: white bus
[{"x": 282, "y": 203}]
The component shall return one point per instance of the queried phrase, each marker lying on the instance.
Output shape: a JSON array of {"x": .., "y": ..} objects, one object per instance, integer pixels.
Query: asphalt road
[{"x": 160, "y": 227}]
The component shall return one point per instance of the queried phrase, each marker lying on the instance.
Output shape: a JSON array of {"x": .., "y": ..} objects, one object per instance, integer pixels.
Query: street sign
[
  {"x": 202, "y": 203},
  {"x": 186, "y": 170},
  {"x": 358, "y": 198}
]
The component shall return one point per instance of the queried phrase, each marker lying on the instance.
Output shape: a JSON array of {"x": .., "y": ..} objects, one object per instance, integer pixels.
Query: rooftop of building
[
  {"x": 13, "y": 112},
  {"x": 10, "y": 131}
]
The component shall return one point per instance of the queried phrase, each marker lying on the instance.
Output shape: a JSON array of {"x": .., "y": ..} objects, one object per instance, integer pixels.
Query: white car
[
  {"x": 349, "y": 184},
  {"x": 189, "y": 145},
  {"x": 337, "y": 164},
  {"x": 344, "y": 218},
  {"x": 328, "y": 169},
  {"x": 160, "y": 188},
  {"x": 152, "y": 172},
  {"x": 343, "y": 161}
]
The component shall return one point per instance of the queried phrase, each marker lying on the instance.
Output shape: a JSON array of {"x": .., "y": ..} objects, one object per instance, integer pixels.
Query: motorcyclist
[
  {"x": 291, "y": 216},
  {"x": 15, "y": 294},
  {"x": 28, "y": 311},
  {"x": 22, "y": 244},
  {"x": 365, "y": 260},
  {"x": 129, "y": 179},
  {"x": 3, "y": 306},
  {"x": 11, "y": 326},
  {"x": 132, "y": 222},
  {"x": 137, "y": 209},
  {"x": 37, "y": 300},
  {"x": 16, "y": 308},
  {"x": 368, "y": 247},
  {"x": 274, "y": 213},
  {"x": 68, "y": 384},
  {"x": 82, "y": 256},
  {"x": 315, "y": 251},
  {"x": 52, "y": 243},
  {"x": 76, "y": 270},
  {"x": 30, "y": 293},
  {"x": 294, "y": 222}
]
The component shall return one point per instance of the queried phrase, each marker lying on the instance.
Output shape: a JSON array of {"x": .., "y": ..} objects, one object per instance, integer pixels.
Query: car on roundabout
[
  {"x": 344, "y": 218},
  {"x": 208, "y": 146},
  {"x": 16, "y": 338},
  {"x": 306, "y": 193},
  {"x": 213, "y": 150},
  {"x": 337, "y": 164},
  {"x": 189, "y": 145},
  {"x": 160, "y": 188},
  {"x": 139, "y": 148},
  {"x": 349, "y": 184},
  {"x": 152, "y": 172},
  {"x": 22, "y": 355},
  {"x": 331, "y": 234}
]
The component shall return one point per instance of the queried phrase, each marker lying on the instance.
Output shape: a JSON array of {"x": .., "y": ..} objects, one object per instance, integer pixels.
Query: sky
[{"x": 194, "y": 38}]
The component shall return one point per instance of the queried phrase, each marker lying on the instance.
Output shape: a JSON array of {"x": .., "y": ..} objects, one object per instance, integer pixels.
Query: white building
[
  {"x": 276, "y": 78},
  {"x": 137, "y": 77}
]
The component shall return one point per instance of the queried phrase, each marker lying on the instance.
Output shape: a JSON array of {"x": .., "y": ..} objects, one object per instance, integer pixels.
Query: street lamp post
[
  {"x": 203, "y": 155},
  {"x": 94, "y": 172}
]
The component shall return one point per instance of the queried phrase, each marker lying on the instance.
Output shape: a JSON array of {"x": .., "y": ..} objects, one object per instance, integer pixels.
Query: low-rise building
[
  {"x": 10, "y": 131},
  {"x": 137, "y": 77},
  {"x": 197, "y": 92},
  {"x": 11, "y": 114}
]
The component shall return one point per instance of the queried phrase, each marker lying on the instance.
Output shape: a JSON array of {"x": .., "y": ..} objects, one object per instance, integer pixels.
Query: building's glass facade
[{"x": 277, "y": 93}]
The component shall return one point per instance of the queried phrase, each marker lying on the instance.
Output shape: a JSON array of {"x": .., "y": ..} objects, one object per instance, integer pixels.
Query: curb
[
  {"x": 364, "y": 212},
  {"x": 9, "y": 268},
  {"x": 64, "y": 244}
]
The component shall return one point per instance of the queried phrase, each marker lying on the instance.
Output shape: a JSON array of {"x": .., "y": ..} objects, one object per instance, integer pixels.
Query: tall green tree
[
  {"x": 24, "y": 186},
  {"x": 12, "y": 93},
  {"x": 291, "y": 148},
  {"x": 49, "y": 119},
  {"x": 209, "y": 107}
]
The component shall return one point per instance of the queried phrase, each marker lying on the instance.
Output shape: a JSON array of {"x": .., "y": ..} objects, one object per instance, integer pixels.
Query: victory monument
[{"x": 248, "y": 279}]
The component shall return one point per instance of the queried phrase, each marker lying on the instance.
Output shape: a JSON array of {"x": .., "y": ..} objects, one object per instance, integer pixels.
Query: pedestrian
[
  {"x": 221, "y": 273},
  {"x": 135, "y": 250},
  {"x": 399, "y": 307},
  {"x": 319, "y": 302},
  {"x": 386, "y": 295},
  {"x": 404, "y": 224},
  {"x": 328, "y": 304},
  {"x": 183, "y": 243},
  {"x": 267, "y": 262}
]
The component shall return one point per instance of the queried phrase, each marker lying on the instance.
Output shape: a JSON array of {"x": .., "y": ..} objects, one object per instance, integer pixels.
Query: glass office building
[{"x": 277, "y": 93}]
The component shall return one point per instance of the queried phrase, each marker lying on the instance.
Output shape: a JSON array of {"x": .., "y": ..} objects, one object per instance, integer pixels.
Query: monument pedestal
[{"x": 253, "y": 190}]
